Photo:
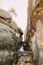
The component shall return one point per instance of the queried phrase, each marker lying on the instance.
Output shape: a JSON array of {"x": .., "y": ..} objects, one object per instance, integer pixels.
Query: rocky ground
[{"x": 25, "y": 59}]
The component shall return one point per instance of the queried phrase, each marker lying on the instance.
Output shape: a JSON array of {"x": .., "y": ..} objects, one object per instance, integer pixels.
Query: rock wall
[
  {"x": 37, "y": 26},
  {"x": 10, "y": 35},
  {"x": 35, "y": 38}
]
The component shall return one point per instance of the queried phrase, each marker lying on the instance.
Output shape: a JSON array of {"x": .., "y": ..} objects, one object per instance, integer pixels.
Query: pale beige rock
[{"x": 4, "y": 14}]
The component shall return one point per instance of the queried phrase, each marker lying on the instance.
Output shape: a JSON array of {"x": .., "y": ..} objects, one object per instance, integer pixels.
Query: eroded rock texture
[
  {"x": 10, "y": 38},
  {"x": 25, "y": 59},
  {"x": 35, "y": 37},
  {"x": 37, "y": 30}
]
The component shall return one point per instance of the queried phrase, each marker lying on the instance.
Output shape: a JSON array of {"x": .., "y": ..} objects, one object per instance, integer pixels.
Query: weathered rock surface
[
  {"x": 25, "y": 59},
  {"x": 35, "y": 34},
  {"x": 10, "y": 35}
]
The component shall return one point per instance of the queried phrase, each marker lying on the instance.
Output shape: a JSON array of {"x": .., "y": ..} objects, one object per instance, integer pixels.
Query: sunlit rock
[{"x": 35, "y": 38}]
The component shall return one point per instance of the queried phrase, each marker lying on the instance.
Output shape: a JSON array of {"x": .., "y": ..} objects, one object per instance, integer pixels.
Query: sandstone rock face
[
  {"x": 10, "y": 35},
  {"x": 37, "y": 30},
  {"x": 35, "y": 38},
  {"x": 4, "y": 14}
]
